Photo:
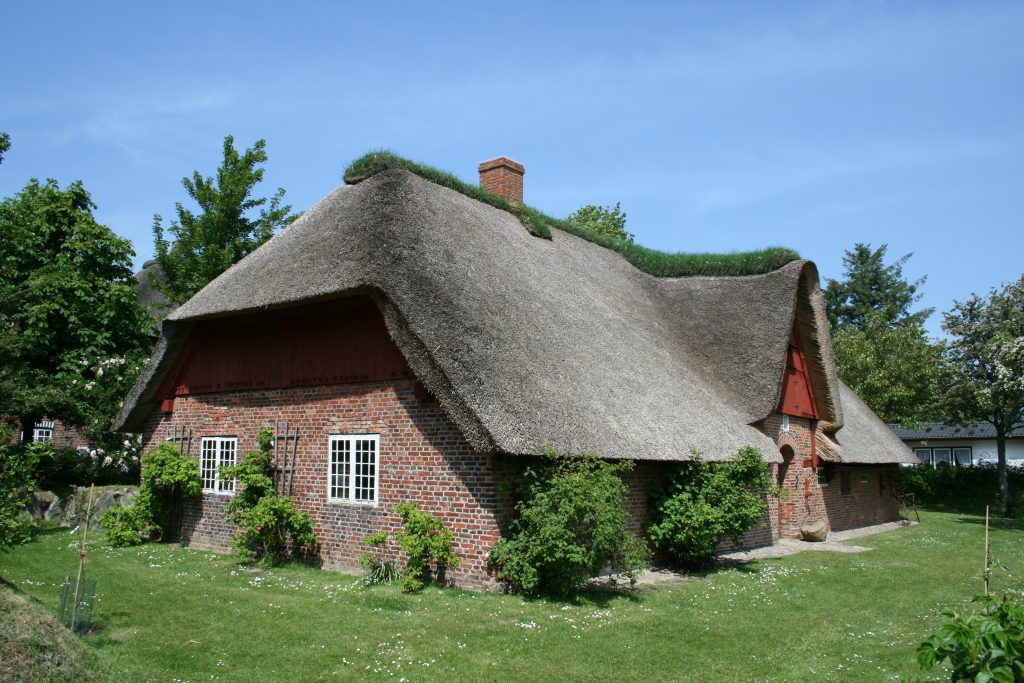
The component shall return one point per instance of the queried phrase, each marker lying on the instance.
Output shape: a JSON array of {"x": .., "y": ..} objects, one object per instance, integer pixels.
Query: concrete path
[{"x": 834, "y": 542}]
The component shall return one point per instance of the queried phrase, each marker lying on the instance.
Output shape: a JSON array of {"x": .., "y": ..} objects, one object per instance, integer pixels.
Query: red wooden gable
[
  {"x": 797, "y": 394},
  {"x": 345, "y": 342}
]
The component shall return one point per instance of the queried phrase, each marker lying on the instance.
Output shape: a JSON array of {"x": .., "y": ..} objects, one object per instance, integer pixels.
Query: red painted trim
[
  {"x": 797, "y": 396},
  {"x": 330, "y": 344}
]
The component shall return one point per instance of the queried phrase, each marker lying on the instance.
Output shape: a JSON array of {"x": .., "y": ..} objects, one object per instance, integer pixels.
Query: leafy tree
[
  {"x": 5, "y": 144},
  {"x": 896, "y": 370},
  {"x": 881, "y": 348},
  {"x": 602, "y": 220},
  {"x": 872, "y": 289},
  {"x": 17, "y": 467},
  {"x": 986, "y": 357},
  {"x": 72, "y": 337},
  {"x": 208, "y": 243}
]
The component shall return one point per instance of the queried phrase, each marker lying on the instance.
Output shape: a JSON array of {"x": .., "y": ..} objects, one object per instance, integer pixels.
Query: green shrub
[
  {"x": 570, "y": 527},
  {"x": 378, "y": 569},
  {"x": 652, "y": 261},
  {"x": 425, "y": 539},
  {"x": 167, "y": 476},
  {"x": 702, "y": 503},
  {"x": 17, "y": 468},
  {"x": 127, "y": 525},
  {"x": 963, "y": 489},
  {"x": 980, "y": 647},
  {"x": 271, "y": 526}
]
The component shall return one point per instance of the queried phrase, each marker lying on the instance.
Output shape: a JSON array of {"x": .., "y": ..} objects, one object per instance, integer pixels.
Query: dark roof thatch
[
  {"x": 533, "y": 343},
  {"x": 940, "y": 430},
  {"x": 151, "y": 299}
]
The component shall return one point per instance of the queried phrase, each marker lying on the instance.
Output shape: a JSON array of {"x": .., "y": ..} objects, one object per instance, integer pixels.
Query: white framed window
[
  {"x": 217, "y": 452},
  {"x": 785, "y": 423},
  {"x": 963, "y": 456},
  {"x": 924, "y": 455},
  {"x": 352, "y": 474},
  {"x": 42, "y": 431},
  {"x": 822, "y": 478}
]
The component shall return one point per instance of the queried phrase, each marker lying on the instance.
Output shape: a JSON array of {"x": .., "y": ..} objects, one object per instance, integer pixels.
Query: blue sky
[{"x": 718, "y": 126}]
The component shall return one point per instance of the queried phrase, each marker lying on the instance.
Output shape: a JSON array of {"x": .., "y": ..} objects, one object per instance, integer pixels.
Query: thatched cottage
[{"x": 410, "y": 343}]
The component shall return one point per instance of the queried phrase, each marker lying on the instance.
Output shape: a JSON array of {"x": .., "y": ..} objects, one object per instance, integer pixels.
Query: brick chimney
[{"x": 503, "y": 177}]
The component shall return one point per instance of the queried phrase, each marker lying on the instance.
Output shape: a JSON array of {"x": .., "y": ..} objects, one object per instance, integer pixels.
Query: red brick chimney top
[{"x": 503, "y": 177}]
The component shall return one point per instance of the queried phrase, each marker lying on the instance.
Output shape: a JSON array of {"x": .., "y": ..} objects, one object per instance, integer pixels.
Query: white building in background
[{"x": 974, "y": 443}]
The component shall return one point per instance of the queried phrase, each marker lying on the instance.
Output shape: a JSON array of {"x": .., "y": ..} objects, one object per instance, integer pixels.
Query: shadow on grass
[
  {"x": 1002, "y": 523},
  {"x": 48, "y": 530}
]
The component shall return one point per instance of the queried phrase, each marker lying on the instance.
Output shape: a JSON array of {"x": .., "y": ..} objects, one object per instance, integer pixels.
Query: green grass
[
  {"x": 652, "y": 261},
  {"x": 165, "y": 613}
]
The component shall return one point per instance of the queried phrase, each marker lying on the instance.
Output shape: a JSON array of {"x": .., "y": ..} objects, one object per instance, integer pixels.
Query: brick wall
[{"x": 422, "y": 458}]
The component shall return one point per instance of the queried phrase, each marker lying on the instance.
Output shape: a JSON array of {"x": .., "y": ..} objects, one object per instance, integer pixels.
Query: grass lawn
[{"x": 170, "y": 614}]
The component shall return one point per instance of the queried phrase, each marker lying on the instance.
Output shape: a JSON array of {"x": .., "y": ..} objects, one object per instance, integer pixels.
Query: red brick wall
[{"x": 422, "y": 458}]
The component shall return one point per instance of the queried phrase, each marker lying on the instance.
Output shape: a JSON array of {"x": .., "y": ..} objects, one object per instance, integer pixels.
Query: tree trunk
[{"x": 1004, "y": 481}]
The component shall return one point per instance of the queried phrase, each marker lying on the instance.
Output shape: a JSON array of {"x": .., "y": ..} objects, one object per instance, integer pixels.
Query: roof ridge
[{"x": 661, "y": 264}]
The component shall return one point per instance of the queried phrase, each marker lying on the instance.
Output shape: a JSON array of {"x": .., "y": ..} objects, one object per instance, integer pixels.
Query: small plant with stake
[{"x": 981, "y": 647}]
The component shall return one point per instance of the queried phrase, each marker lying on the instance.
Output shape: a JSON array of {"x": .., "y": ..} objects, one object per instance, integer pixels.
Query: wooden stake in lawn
[
  {"x": 81, "y": 560},
  {"x": 988, "y": 569}
]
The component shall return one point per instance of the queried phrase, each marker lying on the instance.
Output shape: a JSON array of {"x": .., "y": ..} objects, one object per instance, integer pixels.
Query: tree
[
  {"x": 5, "y": 144},
  {"x": 896, "y": 370},
  {"x": 207, "y": 244},
  {"x": 872, "y": 288},
  {"x": 72, "y": 337},
  {"x": 881, "y": 348},
  {"x": 610, "y": 221},
  {"x": 986, "y": 357}
]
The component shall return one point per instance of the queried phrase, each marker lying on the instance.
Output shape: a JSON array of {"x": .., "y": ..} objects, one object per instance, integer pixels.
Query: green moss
[{"x": 652, "y": 261}]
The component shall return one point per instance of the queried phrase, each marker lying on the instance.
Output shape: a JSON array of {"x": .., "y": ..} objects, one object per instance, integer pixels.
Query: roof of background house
[
  {"x": 149, "y": 297},
  {"x": 939, "y": 430},
  {"x": 536, "y": 343}
]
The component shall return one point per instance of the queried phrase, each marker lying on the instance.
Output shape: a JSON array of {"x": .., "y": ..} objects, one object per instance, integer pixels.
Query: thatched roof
[
  {"x": 864, "y": 438},
  {"x": 532, "y": 343}
]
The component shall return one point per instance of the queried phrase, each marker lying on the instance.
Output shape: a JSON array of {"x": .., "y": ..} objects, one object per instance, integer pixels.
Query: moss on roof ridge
[{"x": 652, "y": 261}]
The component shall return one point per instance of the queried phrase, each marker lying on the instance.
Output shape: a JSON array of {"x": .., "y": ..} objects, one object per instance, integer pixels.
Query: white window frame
[
  {"x": 216, "y": 452},
  {"x": 785, "y": 423},
  {"x": 353, "y": 468},
  {"x": 42, "y": 431}
]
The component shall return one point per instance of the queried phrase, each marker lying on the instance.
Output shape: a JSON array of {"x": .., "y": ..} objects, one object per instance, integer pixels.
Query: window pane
[
  {"x": 208, "y": 465},
  {"x": 924, "y": 455},
  {"x": 341, "y": 467},
  {"x": 227, "y": 459},
  {"x": 941, "y": 455},
  {"x": 962, "y": 456}
]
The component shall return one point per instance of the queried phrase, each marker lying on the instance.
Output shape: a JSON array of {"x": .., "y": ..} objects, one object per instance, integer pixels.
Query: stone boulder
[
  {"x": 39, "y": 503},
  {"x": 815, "y": 531},
  {"x": 74, "y": 506}
]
